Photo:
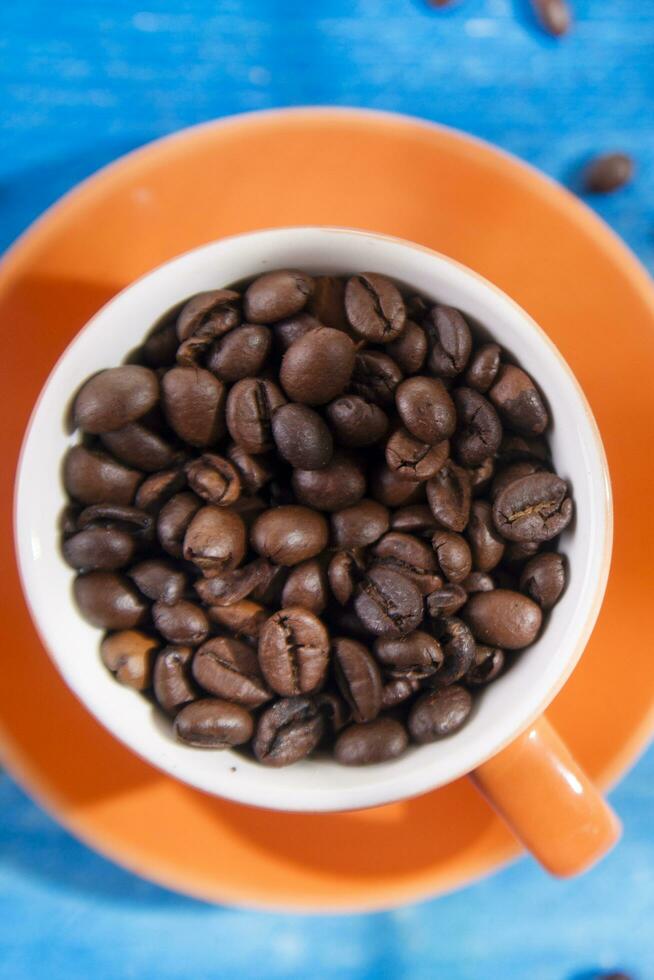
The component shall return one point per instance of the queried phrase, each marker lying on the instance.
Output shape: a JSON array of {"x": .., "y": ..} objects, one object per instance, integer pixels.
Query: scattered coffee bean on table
[
  {"x": 553, "y": 15},
  {"x": 314, "y": 514},
  {"x": 608, "y": 172}
]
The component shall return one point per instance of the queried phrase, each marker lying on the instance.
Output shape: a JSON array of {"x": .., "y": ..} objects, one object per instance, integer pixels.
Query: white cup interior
[{"x": 501, "y": 712}]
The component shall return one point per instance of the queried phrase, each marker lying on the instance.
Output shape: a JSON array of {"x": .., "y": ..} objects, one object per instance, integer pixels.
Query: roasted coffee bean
[
  {"x": 487, "y": 665},
  {"x": 483, "y": 367},
  {"x": 344, "y": 571},
  {"x": 446, "y": 601},
  {"x": 553, "y": 15},
  {"x": 417, "y": 655},
  {"x": 426, "y": 409},
  {"x": 518, "y": 401},
  {"x": 140, "y": 447},
  {"x": 171, "y": 681},
  {"x": 327, "y": 302},
  {"x": 251, "y": 404},
  {"x": 288, "y": 731},
  {"x": 317, "y": 367},
  {"x": 307, "y": 586},
  {"x": 289, "y": 535},
  {"x": 228, "y": 587},
  {"x": 68, "y": 520},
  {"x": 173, "y": 520},
  {"x": 302, "y": 437},
  {"x": 109, "y": 600},
  {"x": 375, "y": 741},
  {"x": 413, "y": 519},
  {"x": 193, "y": 401},
  {"x": 158, "y": 488},
  {"x": 241, "y": 353},
  {"x": 534, "y": 508},
  {"x": 339, "y": 484},
  {"x": 294, "y": 651},
  {"x": 439, "y": 713},
  {"x": 182, "y": 622},
  {"x": 478, "y": 582},
  {"x": 512, "y": 472},
  {"x": 411, "y": 557},
  {"x": 99, "y": 548},
  {"x": 290, "y": 330},
  {"x": 503, "y": 618},
  {"x": 160, "y": 346},
  {"x": 269, "y": 591},
  {"x": 356, "y": 422},
  {"x": 515, "y": 448},
  {"x": 244, "y": 618},
  {"x": 458, "y": 646},
  {"x": 481, "y": 476},
  {"x": 453, "y": 557},
  {"x": 334, "y": 710},
  {"x": 276, "y": 295},
  {"x": 411, "y": 458},
  {"x": 374, "y": 307},
  {"x": 254, "y": 471},
  {"x": 230, "y": 669},
  {"x": 214, "y": 479},
  {"x": 543, "y": 579},
  {"x": 410, "y": 349},
  {"x": 94, "y": 477},
  {"x": 479, "y": 430},
  {"x": 358, "y": 678},
  {"x": 388, "y": 603},
  {"x": 608, "y": 172},
  {"x": 516, "y": 553},
  {"x": 129, "y": 655},
  {"x": 215, "y": 540},
  {"x": 397, "y": 690},
  {"x": 208, "y": 315},
  {"x": 486, "y": 545},
  {"x": 159, "y": 580},
  {"x": 359, "y": 525},
  {"x": 449, "y": 495},
  {"x": 375, "y": 377},
  {"x": 113, "y": 398},
  {"x": 213, "y": 724},
  {"x": 114, "y": 516},
  {"x": 392, "y": 489},
  {"x": 449, "y": 339}
]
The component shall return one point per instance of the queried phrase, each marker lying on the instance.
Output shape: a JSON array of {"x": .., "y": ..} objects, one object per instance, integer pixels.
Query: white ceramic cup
[{"x": 508, "y": 708}]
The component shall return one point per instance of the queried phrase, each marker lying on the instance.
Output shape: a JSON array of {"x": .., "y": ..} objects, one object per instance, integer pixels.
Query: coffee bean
[
  {"x": 129, "y": 655},
  {"x": 486, "y": 545},
  {"x": 160, "y": 346},
  {"x": 193, "y": 402},
  {"x": 241, "y": 353},
  {"x": 307, "y": 586},
  {"x": 99, "y": 548},
  {"x": 173, "y": 520},
  {"x": 158, "y": 488},
  {"x": 534, "y": 508},
  {"x": 453, "y": 557},
  {"x": 358, "y": 678},
  {"x": 317, "y": 367},
  {"x": 426, "y": 409},
  {"x": 374, "y": 307},
  {"x": 276, "y": 295},
  {"x": 449, "y": 339},
  {"x": 291, "y": 329},
  {"x": 114, "y": 516},
  {"x": 94, "y": 477},
  {"x": 449, "y": 495},
  {"x": 288, "y": 731},
  {"x": 411, "y": 458},
  {"x": 375, "y": 741},
  {"x": 231, "y": 586},
  {"x": 512, "y": 472},
  {"x": 417, "y": 655},
  {"x": 479, "y": 430},
  {"x": 516, "y": 448},
  {"x": 356, "y": 422},
  {"x": 481, "y": 476},
  {"x": 172, "y": 682},
  {"x": 503, "y": 618},
  {"x": 141, "y": 448},
  {"x": 294, "y": 651},
  {"x": 215, "y": 540},
  {"x": 439, "y": 713},
  {"x": 214, "y": 479},
  {"x": 327, "y": 302},
  {"x": 251, "y": 404},
  {"x": 488, "y": 664},
  {"x": 334, "y": 710},
  {"x": 182, "y": 623},
  {"x": 410, "y": 349},
  {"x": 554, "y": 15},
  {"x": 543, "y": 579},
  {"x": 518, "y": 401},
  {"x": 302, "y": 437},
  {"x": 289, "y": 535},
  {"x": 608, "y": 172},
  {"x": 213, "y": 724},
  {"x": 359, "y": 525},
  {"x": 397, "y": 690},
  {"x": 388, "y": 603},
  {"x": 458, "y": 646},
  {"x": 243, "y": 618},
  {"x": 159, "y": 580},
  {"x": 230, "y": 669},
  {"x": 446, "y": 601},
  {"x": 394, "y": 490},
  {"x": 478, "y": 582},
  {"x": 109, "y": 600},
  {"x": 413, "y": 519},
  {"x": 254, "y": 471},
  {"x": 344, "y": 571},
  {"x": 411, "y": 557},
  {"x": 483, "y": 367},
  {"x": 113, "y": 398},
  {"x": 208, "y": 315},
  {"x": 339, "y": 484},
  {"x": 375, "y": 377}
]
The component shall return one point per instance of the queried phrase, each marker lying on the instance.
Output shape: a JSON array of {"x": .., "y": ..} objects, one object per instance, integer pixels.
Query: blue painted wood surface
[{"x": 85, "y": 80}]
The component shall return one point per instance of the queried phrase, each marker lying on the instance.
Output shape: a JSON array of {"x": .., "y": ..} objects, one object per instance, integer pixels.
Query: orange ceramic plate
[{"x": 388, "y": 174}]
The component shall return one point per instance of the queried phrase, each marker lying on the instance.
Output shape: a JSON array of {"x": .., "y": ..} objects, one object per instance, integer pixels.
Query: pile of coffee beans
[{"x": 313, "y": 512}]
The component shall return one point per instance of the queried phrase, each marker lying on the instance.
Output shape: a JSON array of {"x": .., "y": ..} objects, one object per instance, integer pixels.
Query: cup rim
[{"x": 318, "y": 802}]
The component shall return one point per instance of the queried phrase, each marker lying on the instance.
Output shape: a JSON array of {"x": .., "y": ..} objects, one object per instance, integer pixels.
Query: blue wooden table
[{"x": 86, "y": 80}]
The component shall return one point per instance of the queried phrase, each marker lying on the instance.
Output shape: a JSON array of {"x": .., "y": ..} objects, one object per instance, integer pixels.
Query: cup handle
[{"x": 548, "y": 802}]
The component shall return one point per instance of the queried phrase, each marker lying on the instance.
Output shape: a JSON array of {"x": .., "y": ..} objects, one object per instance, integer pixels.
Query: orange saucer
[{"x": 416, "y": 181}]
